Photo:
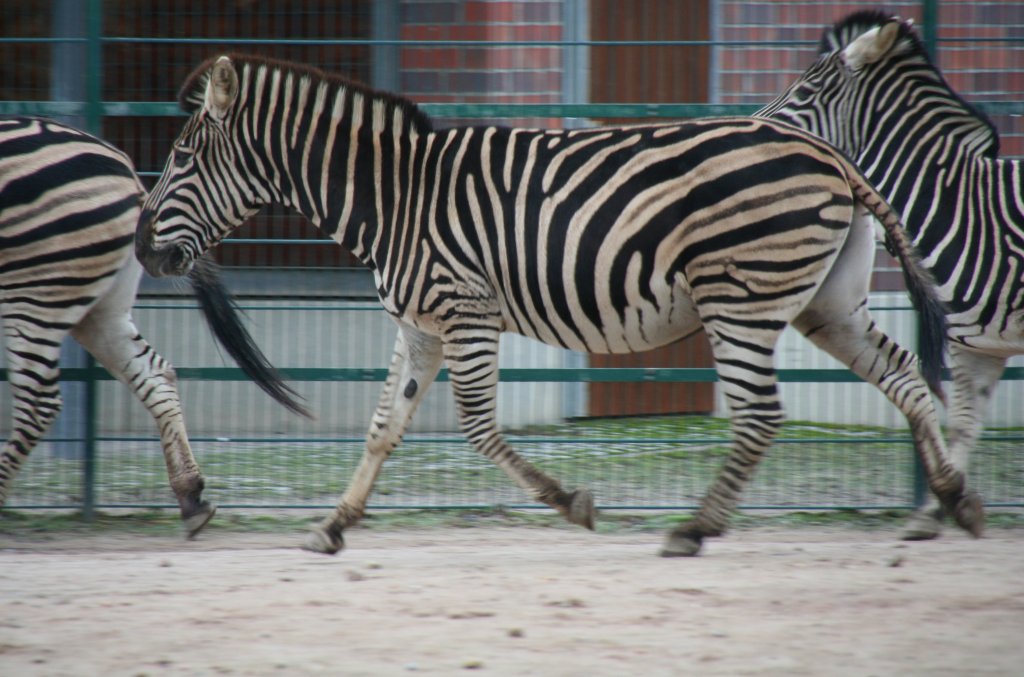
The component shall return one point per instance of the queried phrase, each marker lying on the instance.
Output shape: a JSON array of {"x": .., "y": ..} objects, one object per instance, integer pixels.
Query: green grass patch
[
  {"x": 165, "y": 523},
  {"x": 647, "y": 461}
]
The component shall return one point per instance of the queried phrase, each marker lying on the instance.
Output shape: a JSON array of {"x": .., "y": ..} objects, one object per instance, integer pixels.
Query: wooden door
[{"x": 651, "y": 74}]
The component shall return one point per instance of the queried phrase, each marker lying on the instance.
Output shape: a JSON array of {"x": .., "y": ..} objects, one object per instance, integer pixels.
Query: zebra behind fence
[
  {"x": 874, "y": 93},
  {"x": 603, "y": 240},
  {"x": 68, "y": 208}
]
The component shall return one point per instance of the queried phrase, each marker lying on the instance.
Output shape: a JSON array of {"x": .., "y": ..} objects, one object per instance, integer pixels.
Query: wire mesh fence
[{"x": 654, "y": 436}]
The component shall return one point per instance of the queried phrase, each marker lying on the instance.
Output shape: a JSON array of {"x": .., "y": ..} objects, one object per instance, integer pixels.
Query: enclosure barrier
[{"x": 653, "y": 462}]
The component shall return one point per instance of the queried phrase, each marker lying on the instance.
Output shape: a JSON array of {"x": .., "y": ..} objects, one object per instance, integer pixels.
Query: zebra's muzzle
[{"x": 168, "y": 260}]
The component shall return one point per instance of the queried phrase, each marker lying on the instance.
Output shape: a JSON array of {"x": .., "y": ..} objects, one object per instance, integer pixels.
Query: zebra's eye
[{"x": 182, "y": 156}]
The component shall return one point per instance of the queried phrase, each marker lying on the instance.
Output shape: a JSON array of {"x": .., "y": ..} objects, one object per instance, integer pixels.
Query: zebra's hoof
[
  {"x": 325, "y": 541},
  {"x": 969, "y": 513},
  {"x": 581, "y": 508},
  {"x": 679, "y": 544},
  {"x": 195, "y": 522},
  {"x": 923, "y": 525}
]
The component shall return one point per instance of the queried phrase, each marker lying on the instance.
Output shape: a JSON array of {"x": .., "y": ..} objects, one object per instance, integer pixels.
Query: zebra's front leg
[
  {"x": 473, "y": 372},
  {"x": 975, "y": 377},
  {"x": 414, "y": 366},
  {"x": 749, "y": 383},
  {"x": 110, "y": 334}
]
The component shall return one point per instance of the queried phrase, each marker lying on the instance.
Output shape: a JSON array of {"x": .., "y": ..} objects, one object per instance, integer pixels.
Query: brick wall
[
  {"x": 755, "y": 74},
  {"x": 471, "y": 74},
  {"x": 979, "y": 71}
]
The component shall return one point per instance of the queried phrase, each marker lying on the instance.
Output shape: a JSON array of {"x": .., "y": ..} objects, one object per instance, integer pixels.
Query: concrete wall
[
  {"x": 328, "y": 335},
  {"x": 360, "y": 335}
]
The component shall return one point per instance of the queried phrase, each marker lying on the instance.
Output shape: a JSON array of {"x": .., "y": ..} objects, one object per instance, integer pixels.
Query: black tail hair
[
  {"x": 933, "y": 323},
  {"x": 223, "y": 316}
]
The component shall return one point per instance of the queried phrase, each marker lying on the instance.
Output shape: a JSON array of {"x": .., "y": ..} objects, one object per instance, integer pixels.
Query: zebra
[
  {"x": 69, "y": 203},
  {"x": 874, "y": 93},
  {"x": 600, "y": 240}
]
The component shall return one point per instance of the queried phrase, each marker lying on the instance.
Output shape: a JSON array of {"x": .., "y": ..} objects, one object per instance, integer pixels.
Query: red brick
[
  {"x": 540, "y": 32},
  {"x": 435, "y": 58},
  {"x": 421, "y": 33},
  {"x": 480, "y": 12},
  {"x": 475, "y": 32}
]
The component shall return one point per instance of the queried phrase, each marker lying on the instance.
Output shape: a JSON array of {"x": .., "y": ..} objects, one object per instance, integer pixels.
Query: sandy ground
[{"x": 514, "y": 601}]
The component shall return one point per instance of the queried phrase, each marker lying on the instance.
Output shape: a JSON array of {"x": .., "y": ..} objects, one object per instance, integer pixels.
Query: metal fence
[{"x": 114, "y": 67}]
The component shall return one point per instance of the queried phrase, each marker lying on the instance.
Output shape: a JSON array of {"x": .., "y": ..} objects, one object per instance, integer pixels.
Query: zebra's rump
[{"x": 67, "y": 209}]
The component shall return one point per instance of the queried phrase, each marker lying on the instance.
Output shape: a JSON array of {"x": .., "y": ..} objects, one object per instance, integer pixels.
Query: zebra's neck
[{"x": 334, "y": 151}]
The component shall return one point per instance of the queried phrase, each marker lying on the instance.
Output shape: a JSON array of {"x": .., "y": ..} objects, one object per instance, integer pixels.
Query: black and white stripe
[
  {"x": 604, "y": 240},
  {"x": 874, "y": 93},
  {"x": 68, "y": 208}
]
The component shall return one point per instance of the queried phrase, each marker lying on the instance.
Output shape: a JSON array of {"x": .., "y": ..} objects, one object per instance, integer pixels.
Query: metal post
[
  {"x": 94, "y": 68},
  {"x": 384, "y": 57},
  {"x": 67, "y": 84},
  {"x": 94, "y": 124},
  {"x": 77, "y": 77},
  {"x": 929, "y": 35},
  {"x": 89, "y": 467}
]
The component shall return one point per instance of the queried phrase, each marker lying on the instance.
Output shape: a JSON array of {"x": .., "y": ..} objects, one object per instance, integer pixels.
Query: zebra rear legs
[
  {"x": 109, "y": 333},
  {"x": 975, "y": 376}
]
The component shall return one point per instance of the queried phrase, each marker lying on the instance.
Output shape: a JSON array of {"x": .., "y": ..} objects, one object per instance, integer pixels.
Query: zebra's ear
[
  {"x": 871, "y": 46},
  {"x": 222, "y": 88}
]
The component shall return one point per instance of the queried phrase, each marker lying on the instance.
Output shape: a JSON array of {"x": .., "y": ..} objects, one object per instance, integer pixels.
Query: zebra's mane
[
  {"x": 193, "y": 92},
  {"x": 912, "y": 48}
]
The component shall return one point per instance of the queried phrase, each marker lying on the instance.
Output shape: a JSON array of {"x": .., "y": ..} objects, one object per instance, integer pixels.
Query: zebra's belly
[
  {"x": 1003, "y": 337},
  {"x": 1006, "y": 344},
  {"x": 636, "y": 327}
]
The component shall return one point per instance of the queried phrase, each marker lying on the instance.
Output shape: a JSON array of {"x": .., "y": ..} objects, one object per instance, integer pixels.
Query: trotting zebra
[
  {"x": 68, "y": 208},
  {"x": 874, "y": 93},
  {"x": 604, "y": 240}
]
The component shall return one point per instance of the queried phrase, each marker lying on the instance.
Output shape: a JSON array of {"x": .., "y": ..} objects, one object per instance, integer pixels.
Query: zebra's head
[
  {"x": 204, "y": 192},
  {"x": 830, "y": 97}
]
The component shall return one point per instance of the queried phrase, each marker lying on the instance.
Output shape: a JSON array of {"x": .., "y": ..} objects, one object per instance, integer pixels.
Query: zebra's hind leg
[
  {"x": 32, "y": 355},
  {"x": 110, "y": 334},
  {"x": 414, "y": 366},
  {"x": 473, "y": 371},
  {"x": 748, "y": 380},
  {"x": 855, "y": 340},
  {"x": 975, "y": 376}
]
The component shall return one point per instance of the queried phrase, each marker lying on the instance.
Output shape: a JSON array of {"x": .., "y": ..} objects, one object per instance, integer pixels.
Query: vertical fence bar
[
  {"x": 93, "y": 73},
  {"x": 89, "y": 466},
  {"x": 929, "y": 34},
  {"x": 93, "y": 123}
]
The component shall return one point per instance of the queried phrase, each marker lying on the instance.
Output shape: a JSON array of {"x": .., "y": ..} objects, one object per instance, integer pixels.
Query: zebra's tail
[
  {"x": 223, "y": 317},
  {"x": 921, "y": 285}
]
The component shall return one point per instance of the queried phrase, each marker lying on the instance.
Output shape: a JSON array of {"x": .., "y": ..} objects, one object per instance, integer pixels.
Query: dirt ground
[{"x": 514, "y": 601}]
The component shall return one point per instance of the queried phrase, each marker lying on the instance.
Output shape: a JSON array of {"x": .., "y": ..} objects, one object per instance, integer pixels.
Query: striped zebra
[
  {"x": 600, "y": 240},
  {"x": 874, "y": 93},
  {"x": 69, "y": 204}
]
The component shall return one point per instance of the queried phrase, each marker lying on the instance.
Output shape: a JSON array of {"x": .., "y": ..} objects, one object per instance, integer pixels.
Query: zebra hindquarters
[
  {"x": 746, "y": 295},
  {"x": 744, "y": 358},
  {"x": 109, "y": 333},
  {"x": 838, "y": 321},
  {"x": 975, "y": 377},
  {"x": 32, "y": 349}
]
